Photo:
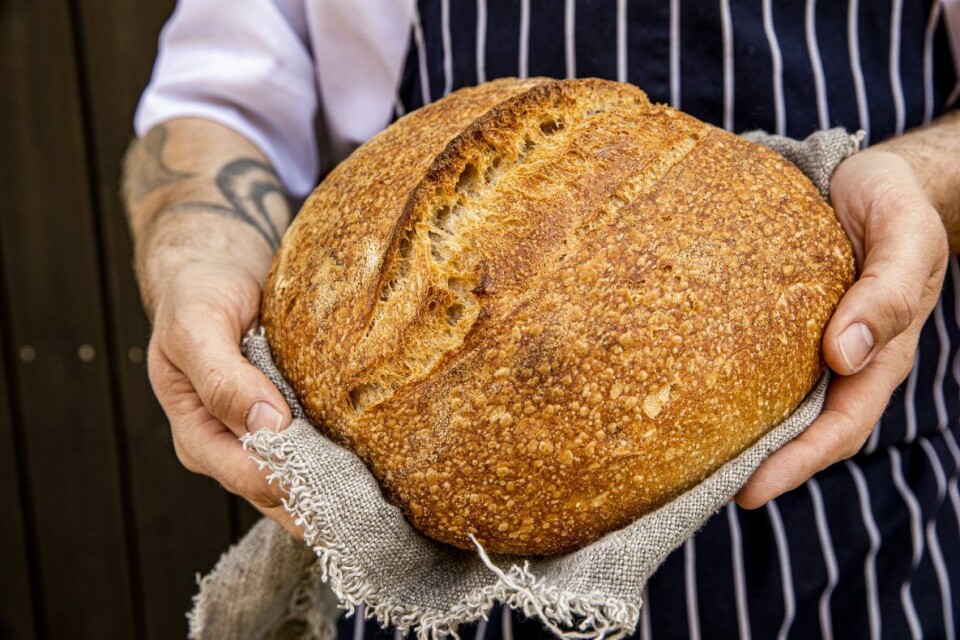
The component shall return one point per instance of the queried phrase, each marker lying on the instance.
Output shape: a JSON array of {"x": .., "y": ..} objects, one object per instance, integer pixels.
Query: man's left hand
[{"x": 901, "y": 249}]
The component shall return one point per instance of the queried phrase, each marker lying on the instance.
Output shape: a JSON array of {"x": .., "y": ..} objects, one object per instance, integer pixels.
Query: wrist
[
  {"x": 168, "y": 260},
  {"x": 930, "y": 151},
  {"x": 875, "y": 185},
  {"x": 200, "y": 197},
  {"x": 219, "y": 289}
]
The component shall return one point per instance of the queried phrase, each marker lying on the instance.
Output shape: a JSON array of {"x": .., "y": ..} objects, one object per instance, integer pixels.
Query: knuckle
[
  {"x": 231, "y": 483},
  {"x": 850, "y": 448},
  {"x": 154, "y": 374},
  {"x": 898, "y": 307},
  {"x": 185, "y": 459},
  {"x": 252, "y": 486},
  {"x": 220, "y": 391},
  {"x": 156, "y": 365},
  {"x": 747, "y": 499},
  {"x": 186, "y": 323},
  {"x": 858, "y": 432},
  {"x": 264, "y": 497},
  {"x": 233, "y": 480},
  {"x": 897, "y": 369},
  {"x": 939, "y": 237}
]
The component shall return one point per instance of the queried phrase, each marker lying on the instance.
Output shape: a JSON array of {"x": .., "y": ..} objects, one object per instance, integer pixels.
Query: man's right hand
[
  {"x": 209, "y": 391},
  {"x": 206, "y": 212}
]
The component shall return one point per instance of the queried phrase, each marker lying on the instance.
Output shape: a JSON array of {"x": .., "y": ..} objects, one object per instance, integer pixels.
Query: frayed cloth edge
[{"x": 517, "y": 588}]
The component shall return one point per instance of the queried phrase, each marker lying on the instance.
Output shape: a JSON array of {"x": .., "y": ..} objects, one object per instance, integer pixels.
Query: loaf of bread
[{"x": 540, "y": 309}]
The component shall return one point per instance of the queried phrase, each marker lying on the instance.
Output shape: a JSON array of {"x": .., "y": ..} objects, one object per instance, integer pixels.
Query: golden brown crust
[{"x": 539, "y": 309}]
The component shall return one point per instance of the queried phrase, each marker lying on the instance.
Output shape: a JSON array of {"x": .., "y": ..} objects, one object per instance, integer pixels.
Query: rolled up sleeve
[{"x": 247, "y": 67}]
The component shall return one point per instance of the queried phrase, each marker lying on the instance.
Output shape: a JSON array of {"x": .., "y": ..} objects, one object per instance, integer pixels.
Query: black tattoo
[
  {"x": 245, "y": 184},
  {"x": 151, "y": 172}
]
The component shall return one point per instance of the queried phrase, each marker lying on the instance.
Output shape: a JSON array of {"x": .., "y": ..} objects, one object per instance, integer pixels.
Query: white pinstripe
[
  {"x": 819, "y": 82},
  {"x": 823, "y": 112},
  {"x": 569, "y": 29},
  {"x": 952, "y": 98},
  {"x": 870, "y": 561},
  {"x": 726, "y": 23},
  {"x": 954, "y": 451},
  {"x": 910, "y": 400},
  {"x": 853, "y": 44},
  {"x": 646, "y": 629},
  {"x": 933, "y": 542},
  {"x": 622, "y": 40},
  {"x": 952, "y": 489},
  {"x": 481, "y": 630},
  {"x": 777, "y": 59},
  {"x": 943, "y": 483},
  {"x": 421, "y": 56},
  {"x": 932, "y": 23},
  {"x": 524, "y": 55},
  {"x": 829, "y": 558},
  {"x": 675, "y": 53},
  {"x": 447, "y": 47},
  {"x": 481, "y": 40},
  {"x": 942, "y": 360},
  {"x": 739, "y": 574},
  {"x": 906, "y": 598},
  {"x": 955, "y": 276},
  {"x": 359, "y": 620},
  {"x": 506, "y": 622},
  {"x": 690, "y": 586},
  {"x": 874, "y": 440},
  {"x": 786, "y": 576},
  {"x": 896, "y": 84}
]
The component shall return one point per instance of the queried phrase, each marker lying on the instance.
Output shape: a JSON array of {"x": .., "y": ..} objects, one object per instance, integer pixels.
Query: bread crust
[{"x": 539, "y": 309}]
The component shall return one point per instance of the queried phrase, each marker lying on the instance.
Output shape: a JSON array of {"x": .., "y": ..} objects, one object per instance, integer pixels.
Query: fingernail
[
  {"x": 263, "y": 416},
  {"x": 855, "y": 343}
]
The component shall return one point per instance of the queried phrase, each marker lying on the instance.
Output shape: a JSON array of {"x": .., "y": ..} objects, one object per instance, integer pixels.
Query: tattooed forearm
[
  {"x": 245, "y": 184},
  {"x": 196, "y": 166},
  {"x": 146, "y": 170}
]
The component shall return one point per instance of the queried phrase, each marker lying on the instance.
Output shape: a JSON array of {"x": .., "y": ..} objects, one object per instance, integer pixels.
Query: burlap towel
[{"x": 366, "y": 551}]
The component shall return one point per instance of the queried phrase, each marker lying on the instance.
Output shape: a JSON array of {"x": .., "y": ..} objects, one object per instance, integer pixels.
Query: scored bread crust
[{"x": 540, "y": 309}]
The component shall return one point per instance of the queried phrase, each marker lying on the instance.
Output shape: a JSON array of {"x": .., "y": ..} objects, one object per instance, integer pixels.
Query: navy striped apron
[{"x": 868, "y": 548}]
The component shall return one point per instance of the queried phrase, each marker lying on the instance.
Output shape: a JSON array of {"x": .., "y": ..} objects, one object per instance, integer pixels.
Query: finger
[
  {"x": 854, "y": 405},
  {"x": 901, "y": 260},
  {"x": 204, "y": 344},
  {"x": 219, "y": 454},
  {"x": 172, "y": 388},
  {"x": 282, "y": 517}
]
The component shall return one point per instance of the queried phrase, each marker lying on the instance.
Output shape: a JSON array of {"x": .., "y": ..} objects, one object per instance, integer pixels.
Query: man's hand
[
  {"x": 207, "y": 212},
  {"x": 209, "y": 391},
  {"x": 901, "y": 249}
]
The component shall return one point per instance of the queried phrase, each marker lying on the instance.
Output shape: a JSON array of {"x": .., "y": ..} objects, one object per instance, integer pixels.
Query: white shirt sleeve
[{"x": 245, "y": 65}]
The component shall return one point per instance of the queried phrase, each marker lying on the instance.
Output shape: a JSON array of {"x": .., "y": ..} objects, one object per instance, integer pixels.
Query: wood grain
[
  {"x": 180, "y": 522},
  {"x": 16, "y": 588},
  {"x": 51, "y": 279}
]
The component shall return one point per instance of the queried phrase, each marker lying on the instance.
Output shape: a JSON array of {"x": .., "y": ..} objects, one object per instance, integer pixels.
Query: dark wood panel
[
  {"x": 16, "y": 589},
  {"x": 181, "y": 521},
  {"x": 50, "y": 278}
]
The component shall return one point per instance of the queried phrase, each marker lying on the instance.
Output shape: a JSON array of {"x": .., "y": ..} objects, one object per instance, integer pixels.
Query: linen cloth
[{"x": 364, "y": 550}]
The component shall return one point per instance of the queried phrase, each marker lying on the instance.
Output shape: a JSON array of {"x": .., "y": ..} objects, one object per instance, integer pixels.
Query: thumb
[
  {"x": 204, "y": 345},
  {"x": 877, "y": 309},
  {"x": 902, "y": 247}
]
